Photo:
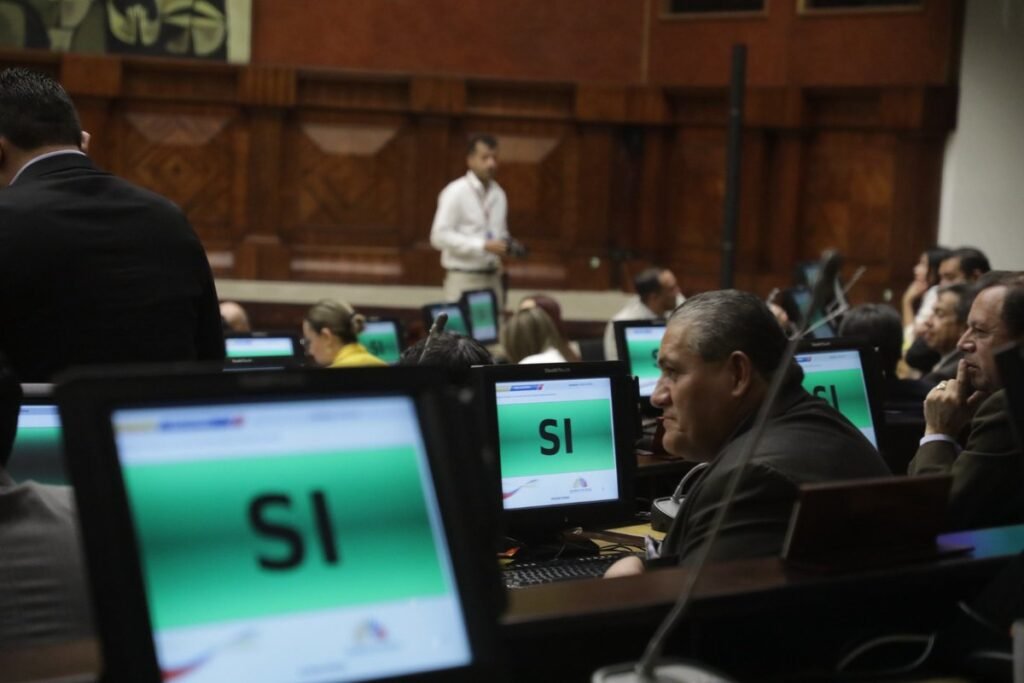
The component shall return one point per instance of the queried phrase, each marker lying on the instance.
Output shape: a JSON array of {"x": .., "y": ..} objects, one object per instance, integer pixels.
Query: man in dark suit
[
  {"x": 92, "y": 268},
  {"x": 988, "y": 474}
]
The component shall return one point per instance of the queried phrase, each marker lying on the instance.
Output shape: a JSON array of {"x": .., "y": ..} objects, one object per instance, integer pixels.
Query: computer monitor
[
  {"x": 563, "y": 436},
  {"x": 480, "y": 306},
  {"x": 288, "y": 527},
  {"x": 456, "y": 320},
  {"x": 38, "y": 451},
  {"x": 383, "y": 338},
  {"x": 637, "y": 342},
  {"x": 845, "y": 373},
  {"x": 262, "y": 349},
  {"x": 795, "y": 302}
]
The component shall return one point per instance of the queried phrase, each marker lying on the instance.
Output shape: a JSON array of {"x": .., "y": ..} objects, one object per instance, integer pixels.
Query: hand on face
[{"x": 951, "y": 405}]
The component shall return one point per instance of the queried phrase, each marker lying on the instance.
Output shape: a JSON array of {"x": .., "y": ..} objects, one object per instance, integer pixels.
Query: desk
[{"x": 744, "y": 607}]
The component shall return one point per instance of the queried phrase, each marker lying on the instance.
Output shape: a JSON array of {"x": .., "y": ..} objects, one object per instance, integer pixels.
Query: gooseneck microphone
[
  {"x": 435, "y": 331},
  {"x": 647, "y": 670}
]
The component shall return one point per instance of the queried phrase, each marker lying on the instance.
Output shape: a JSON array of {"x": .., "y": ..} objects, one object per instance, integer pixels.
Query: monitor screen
[
  {"x": 259, "y": 347},
  {"x": 642, "y": 344},
  {"x": 838, "y": 377},
  {"x": 383, "y": 339},
  {"x": 290, "y": 540},
  {"x": 456, "y": 322},
  {"x": 38, "y": 452},
  {"x": 556, "y": 442},
  {"x": 483, "y": 315}
]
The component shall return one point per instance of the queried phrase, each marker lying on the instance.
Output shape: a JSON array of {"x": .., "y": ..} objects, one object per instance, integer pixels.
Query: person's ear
[{"x": 741, "y": 373}]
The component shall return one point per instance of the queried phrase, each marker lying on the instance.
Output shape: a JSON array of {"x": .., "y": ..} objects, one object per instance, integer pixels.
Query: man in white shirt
[
  {"x": 657, "y": 295},
  {"x": 470, "y": 227}
]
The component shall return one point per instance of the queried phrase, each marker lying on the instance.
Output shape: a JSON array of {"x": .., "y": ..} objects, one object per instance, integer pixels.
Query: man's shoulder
[{"x": 634, "y": 309}]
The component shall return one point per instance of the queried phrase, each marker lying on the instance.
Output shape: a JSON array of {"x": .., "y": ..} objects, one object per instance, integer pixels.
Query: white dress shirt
[
  {"x": 467, "y": 216},
  {"x": 548, "y": 355}
]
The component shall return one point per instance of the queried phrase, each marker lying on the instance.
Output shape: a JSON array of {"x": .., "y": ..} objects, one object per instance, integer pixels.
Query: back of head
[
  {"x": 727, "y": 320},
  {"x": 881, "y": 326},
  {"x": 530, "y": 331},
  {"x": 936, "y": 255},
  {"x": 550, "y": 306},
  {"x": 454, "y": 352},
  {"x": 338, "y": 317},
  {"x": 10, "y": 404},
  {"x": 647, "y": 282},
  {"x": 1013, "y": 308},
  {"x": 973, "y": 262},
  {"x": 35, "y": 111},
  {"x": 485, "y": 139}
]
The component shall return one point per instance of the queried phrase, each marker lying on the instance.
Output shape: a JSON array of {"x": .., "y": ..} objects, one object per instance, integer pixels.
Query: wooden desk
[{"x": 753, "y": 605}]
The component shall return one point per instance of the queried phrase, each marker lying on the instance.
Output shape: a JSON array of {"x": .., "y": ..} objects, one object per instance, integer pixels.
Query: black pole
[{"x": 737, "y": 86}]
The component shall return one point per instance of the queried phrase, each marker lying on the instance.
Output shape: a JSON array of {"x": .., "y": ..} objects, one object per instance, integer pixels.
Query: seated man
[
  {"x": 657, "y": 295},
  {"x": 988, "y": 475},
  {"x": 453, "y": 352},
  {"x": 717, "y": 358},
  {"x": 943, "y": 329},
  {"x": 43, "y": 595}
]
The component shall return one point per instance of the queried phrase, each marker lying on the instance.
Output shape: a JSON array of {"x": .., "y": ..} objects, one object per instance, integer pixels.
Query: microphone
[
  {"x": 825, "y": 289},
  {"x": 435, "y": 331},
  {"x": 664, "y": 510},
  {"x": 648, "y": 670}
]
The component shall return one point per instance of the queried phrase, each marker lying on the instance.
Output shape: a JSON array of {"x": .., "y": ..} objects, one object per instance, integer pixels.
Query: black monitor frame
[
  {"x": 296, "y": 358},
  {"x": 429, "y": 311},
  {"x": 87, "y": 399},
  {"x": 464, "y": 305},
  {"x": 535, "y": 522},
  {"x": 622, "y": 348},
  {"x": 870, "y": 366}
]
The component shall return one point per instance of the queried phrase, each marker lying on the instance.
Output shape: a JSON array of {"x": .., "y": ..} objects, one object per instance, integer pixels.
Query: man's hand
[
  {"x": 951, "y": 404},
  {"x": 627, "y": 566},
  {"x": 499, "y": 247}
]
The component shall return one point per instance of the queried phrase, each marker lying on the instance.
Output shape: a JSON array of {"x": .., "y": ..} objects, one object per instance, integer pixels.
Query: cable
[{"x": 929, "y": 641}]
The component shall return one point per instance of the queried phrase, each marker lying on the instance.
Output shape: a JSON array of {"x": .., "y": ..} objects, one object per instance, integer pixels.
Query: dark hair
[
  {"x": 936, "y": 255},
  {"x": 338, "y": 317},
  {"x": 488, "y": 141},
  {"x": 10, "y": 404},
  {"x": 971, "y": 260},
  {"x": 965, "y": 297},
  {"x": 648, "y": 282},
  {"x": 881, "y": 326},
  {"x": 728, "y": 320},
  {"x": 454, "y": 352},
  {"x": 35, "y": 111},
  {"x": 1013, "y": 309}
]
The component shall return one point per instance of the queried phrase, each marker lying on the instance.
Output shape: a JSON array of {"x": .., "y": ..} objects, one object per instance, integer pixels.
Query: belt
[{"x": 484, "y": 271}]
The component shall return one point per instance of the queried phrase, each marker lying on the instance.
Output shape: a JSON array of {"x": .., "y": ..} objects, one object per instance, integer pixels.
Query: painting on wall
[{"x": 205, "y": 29}]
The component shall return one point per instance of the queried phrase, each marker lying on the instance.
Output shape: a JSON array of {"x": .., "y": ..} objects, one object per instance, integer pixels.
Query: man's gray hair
[{"x": 728, "y": 320}]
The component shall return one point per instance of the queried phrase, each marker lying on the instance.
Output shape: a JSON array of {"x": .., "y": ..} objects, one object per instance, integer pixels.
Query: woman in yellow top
[{"x": 329, "y": 335}]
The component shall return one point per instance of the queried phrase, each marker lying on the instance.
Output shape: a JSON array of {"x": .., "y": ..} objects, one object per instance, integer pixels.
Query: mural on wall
[{"x": 207, "y": 29}]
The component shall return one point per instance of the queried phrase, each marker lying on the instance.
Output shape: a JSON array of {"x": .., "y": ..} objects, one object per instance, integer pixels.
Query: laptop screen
[
  {"x": 290, "y": 541},
  {"x": 837, "y": 376},
  {"x": 556, "y": 441},
  {"x": 483, "y": 315},
  {"x": 259, "y": 347},
  {"x": 456, "y": 321},
  {"x": 381, "y": 338},
  {"x": 38, "y": 452},
  {"x": 642, "y": 344}
]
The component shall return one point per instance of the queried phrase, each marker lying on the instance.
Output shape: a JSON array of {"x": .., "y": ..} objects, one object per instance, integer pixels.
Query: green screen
[
  {"x": 382, "y": 344},
  {"x": 643, "y": 358},
  {"x": 844, "y": 391},
  {"x": 201, "y": 552},
  {"x": 519, "y": 429},
  {"x": 37, "y": 454}
]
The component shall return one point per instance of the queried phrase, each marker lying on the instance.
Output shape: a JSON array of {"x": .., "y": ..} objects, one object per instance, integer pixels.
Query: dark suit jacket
[
  {"x": 96, "y": 270},
  {"x": 988, "y": 475},
  {"x": 804, "y": 441}
]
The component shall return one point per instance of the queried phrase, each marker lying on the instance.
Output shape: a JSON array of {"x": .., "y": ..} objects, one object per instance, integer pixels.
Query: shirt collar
[
  {"x": 40, "y": 158},
  {"x": 476, "y": 184}
]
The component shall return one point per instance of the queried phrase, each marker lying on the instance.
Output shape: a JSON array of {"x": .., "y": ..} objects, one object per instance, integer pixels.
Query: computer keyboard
[{"x": 524, "y": 574}]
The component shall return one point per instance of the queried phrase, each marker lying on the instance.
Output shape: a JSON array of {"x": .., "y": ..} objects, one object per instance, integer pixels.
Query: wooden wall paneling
[
  {"x": 753, "y": 241},
  {"x": 781, "y": 212},
  {"x": 262, "y": 254},
  {"x": 433, "y": 170}
]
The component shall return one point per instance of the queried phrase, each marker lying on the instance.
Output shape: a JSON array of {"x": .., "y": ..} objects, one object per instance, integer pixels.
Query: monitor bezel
[
  {"x": 87, "y": 400},
  {"x": 870, "y": 365},
  {"x": 532, "y": 521},
  {"x": 621, "y": 347},
  {"x": 464, "y": 305}
]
